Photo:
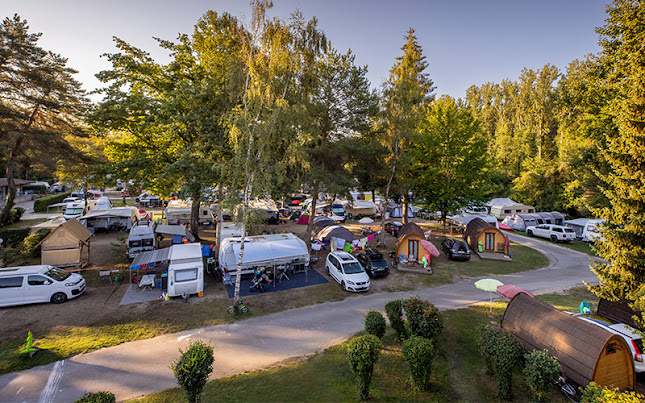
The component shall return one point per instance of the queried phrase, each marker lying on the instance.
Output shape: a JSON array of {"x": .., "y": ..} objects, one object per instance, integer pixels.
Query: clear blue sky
[{"x": 466, "y": 42}]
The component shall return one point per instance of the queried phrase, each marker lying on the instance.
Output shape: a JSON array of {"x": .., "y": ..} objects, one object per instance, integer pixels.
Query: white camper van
[
  {"x": 30, "y": 284},
  {"x": 185, "y": 270},
  {"x": 141, "y": 239},
  {"x": 75, "y": 209}
]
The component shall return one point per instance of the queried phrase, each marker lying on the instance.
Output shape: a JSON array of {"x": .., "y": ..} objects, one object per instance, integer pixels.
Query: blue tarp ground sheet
[{"x": 295, "y": 281}]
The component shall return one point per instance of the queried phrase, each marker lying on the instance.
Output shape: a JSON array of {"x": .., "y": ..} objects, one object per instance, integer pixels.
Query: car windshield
[
  {"x": 57, "y": 274},
  {"x": 338, "y": 210},
  {"x": 379, "y": 263},
  {"x": 352, "y": 268},
  {"x": 74, "y": 211},
  {"x": 591, "y": 227}
]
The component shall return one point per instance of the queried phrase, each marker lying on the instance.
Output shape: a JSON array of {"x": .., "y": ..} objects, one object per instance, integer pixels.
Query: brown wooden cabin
[
  {"x": 491, "y": 237},
  {"x": 586, "y": 352},
  {"x": 408, "y": 243}
]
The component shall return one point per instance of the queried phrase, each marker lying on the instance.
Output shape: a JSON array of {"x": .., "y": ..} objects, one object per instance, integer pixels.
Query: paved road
[{"x": 141, "y": 367}]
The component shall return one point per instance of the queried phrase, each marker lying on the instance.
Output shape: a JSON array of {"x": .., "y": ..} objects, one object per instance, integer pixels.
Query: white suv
[
  {"x": 631, "y": 336},
  {"x": 347, "y": 271},
  {"x": 553, "y": 232}
]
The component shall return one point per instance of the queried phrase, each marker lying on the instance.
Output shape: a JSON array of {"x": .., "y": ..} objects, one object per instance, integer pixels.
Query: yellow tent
[{"x": 64, "y": 245}]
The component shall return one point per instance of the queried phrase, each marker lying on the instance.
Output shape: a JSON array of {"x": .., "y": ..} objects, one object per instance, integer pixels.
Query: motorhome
[
  {"x": 586, "y": 229},
  {"x": 78, "y": 208},
  {"x": 500, "y": 211},
  {"x": 43, "y": 283},
  {"x": 178, "y": 212},
  {"x": 141, "y": 239}
]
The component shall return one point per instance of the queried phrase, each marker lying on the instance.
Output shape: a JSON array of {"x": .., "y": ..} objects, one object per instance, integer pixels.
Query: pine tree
[
  {"x": 39, "y": 101},
  {"x": 623, "y": 54}
]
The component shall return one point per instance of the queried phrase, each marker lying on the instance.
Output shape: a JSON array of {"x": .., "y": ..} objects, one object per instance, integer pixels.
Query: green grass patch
[
  {"x": 570, "y": 300},
  {"x": 25, "y": 223},
  {"x": 524, "y": 258},
  {"x": 458, "y": 372}
]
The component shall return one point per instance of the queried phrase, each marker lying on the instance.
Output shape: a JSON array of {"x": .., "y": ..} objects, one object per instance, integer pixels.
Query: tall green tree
[
  {"x": 407, "y": 89},
  {"x": 166, "y": 124},
  {"x": 262, "y": 132},
  {"x": 623, "y": 54},
  {"x": 40, "y": 101},
  {"x": 450, "y": 158}
]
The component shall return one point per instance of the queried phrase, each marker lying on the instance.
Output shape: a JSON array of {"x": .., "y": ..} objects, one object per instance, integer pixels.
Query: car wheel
[
  {"x": 450, "y": 256},
  {"x": 59, "y": 298},
  {"x": 327, "y": 267},
  {"x": 342, "y": 284},
  {"x": 554, "y": 238},
  {"x": 529, "y": 233}
]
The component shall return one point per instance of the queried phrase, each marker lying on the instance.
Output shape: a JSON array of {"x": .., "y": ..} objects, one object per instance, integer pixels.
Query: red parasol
[
  {"x": 509, "y": 291},
  {"x": 296, "y": 202},
  {"x": 505, "y": 227},
  {"x": 428, "y": 246}
]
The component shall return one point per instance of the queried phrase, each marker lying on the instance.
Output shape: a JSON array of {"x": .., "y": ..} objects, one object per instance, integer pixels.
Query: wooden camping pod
[
  {"x": 492, "y": 239},
  {"x": 586, "y": 352},
  {"x": 408, "y": 242}
]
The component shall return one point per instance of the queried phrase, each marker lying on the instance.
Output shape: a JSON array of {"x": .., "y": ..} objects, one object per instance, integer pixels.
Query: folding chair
[{"x": 105, "y": 276}]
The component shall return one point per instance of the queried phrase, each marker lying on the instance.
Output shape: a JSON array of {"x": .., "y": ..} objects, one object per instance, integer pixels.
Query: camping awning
[
  {"x": 174, "y": 230},
  {"x": 150, "y": 259}
]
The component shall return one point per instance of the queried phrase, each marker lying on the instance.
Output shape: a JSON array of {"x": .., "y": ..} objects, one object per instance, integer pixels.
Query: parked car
[
  {"x": 555, "y": 233},
  {"x": 347, "y": 271},
  {"x": 393, "y": 228},
  {"x": 455, "y": 249},
  {"x": 31, "y": 284},
  {"x": 631, "y": 336},
  {"x": 373, "y": 263}
]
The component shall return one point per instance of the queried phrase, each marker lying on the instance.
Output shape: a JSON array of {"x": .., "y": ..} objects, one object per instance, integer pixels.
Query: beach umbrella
[
  {"x": 427, "y": 245},
  {"x": 490, "y": 285},
  {"x": 510, "y": 290},
  {"x": 296, "y": 202},
  {"x": 365, "y": 220}
]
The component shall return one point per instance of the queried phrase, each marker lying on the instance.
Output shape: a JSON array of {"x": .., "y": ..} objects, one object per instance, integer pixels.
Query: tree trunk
[
  {"x": 196, "y": 195},
  {"x": 11, "y": 193},
  {"x": 220, "y": 220},
  {"x": 404, "y": 210},
  {"x": 245, "y": 207},
  {"x": 312, "y": 214},
  {"x": 387, "y": 191}
]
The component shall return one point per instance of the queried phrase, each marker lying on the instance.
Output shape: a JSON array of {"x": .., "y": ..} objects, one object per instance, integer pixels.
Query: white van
[
  {"x": 141, "y": 238},
  {"x": 30, "y": 284},
  {"x": 75, "y": 209}
]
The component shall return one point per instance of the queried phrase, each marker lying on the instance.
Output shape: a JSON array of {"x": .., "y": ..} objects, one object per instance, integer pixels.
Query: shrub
[
  {"x": 15, "y": 214},
  {"x": 503, "y": 352},
  {"x": 30, "y": 245},
  {"x": 394, "y": 312},
  {"x": 375, "y": 324},
  {"x": 97, "y": 397},
  {"x": 13, "y": 237},
  {"x": 362, "y": 353},
  {"x": 193, "y": 368},
  {"x": 419, "y": 353},
  {"x": 424, "y": 318},
  {"x": 484, "y": 337},
  {"x": 40, "y": 205},
  {"x": 541, "y": 372},
  {"x": 595, "y": 393}
]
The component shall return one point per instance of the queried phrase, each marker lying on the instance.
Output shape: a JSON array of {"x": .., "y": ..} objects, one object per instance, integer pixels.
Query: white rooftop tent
[
  {"x": 464, "y": 219},
  {"x": 500, "y": 201},
  {"x": 263, "y": 250}
]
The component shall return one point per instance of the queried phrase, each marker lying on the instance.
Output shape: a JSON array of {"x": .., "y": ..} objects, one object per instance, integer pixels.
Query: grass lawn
[
  {"x": 579, "y": 246},
  {"x": 458, "y": 372},
  {"x": 24, "y": 223}
]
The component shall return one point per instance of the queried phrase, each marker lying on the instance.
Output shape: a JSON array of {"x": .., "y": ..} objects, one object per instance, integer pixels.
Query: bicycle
[
  {"x": 569, "y": 389},
  {"x": 240, "y": 307}
]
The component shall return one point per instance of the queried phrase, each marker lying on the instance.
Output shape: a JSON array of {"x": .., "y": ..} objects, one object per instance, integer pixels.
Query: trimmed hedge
[
  {"x": 40, "y": 205},
  {"x": 97, "y": 397},
  {"x": 375, "y": 324}
]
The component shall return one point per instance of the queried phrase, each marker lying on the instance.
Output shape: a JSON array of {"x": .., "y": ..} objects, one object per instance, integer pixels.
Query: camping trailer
[
  {"x": 500, "y": 211},
  {"x": 263, "y": 250},
  {"x": 361, "y": 208},
  {"x": 185, "y": 270},
  {"x": 120, "y": 217},
  {"x": 586, "y": 229},
  {"x": 178, "y": 212}
]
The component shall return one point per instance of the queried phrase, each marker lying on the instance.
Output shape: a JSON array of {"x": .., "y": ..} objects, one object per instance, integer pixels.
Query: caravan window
[
  {"x": 10, "y": 282},
  {"x": 186, "y": 275},
  {"x": 507, "y": 211},
  {"x": 148, "y": 242},
  {"x": 134, "y": 244}
]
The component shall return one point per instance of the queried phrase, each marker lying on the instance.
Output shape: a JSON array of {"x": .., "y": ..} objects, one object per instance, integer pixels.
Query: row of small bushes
[
  {"x": 418, "y": 336},
  {"x": 41, "y": 204}
]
